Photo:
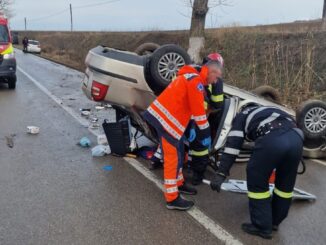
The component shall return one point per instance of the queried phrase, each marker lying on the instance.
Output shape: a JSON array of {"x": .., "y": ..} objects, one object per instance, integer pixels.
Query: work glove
[
  {"x": 217, "y": 182},
  {"x": 207, "y": 142},
  {"x": 192, "y": 135}
]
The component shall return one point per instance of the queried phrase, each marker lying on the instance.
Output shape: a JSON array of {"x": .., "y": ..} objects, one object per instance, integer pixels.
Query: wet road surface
[{"x": 54, "y": 192}]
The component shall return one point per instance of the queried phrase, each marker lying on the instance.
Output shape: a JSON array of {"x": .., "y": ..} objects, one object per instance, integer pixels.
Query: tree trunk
[
  {"x": 197, "y": 29},
  {"x": 324, "y": 16}
]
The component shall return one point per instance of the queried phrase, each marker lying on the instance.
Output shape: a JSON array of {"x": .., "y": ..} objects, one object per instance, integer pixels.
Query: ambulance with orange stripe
[{"x": 7, "y": 55}]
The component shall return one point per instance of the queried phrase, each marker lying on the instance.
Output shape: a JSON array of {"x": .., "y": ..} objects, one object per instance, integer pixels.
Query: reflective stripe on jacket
[
  {"x": 180, "y": 102},
  {"x": 214, "y": 95}
]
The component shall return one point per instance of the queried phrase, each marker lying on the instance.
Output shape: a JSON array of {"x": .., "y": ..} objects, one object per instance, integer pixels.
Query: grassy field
[{"x": 290, "y": 57}]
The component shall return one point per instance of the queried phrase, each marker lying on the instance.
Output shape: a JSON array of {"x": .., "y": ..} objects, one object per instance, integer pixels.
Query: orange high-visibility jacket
[{"x": 180, "y": 102}]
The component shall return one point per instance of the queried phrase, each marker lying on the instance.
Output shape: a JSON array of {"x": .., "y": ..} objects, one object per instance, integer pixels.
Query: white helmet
[{"x": 245, "y": 103}]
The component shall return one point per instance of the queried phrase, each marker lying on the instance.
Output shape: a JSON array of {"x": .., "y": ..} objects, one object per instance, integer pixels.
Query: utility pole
[
  {"x": 25, "y": 24},
  {"x": 71, "y": 20}
]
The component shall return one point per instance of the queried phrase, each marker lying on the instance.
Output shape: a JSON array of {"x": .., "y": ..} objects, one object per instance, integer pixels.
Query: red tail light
[{"x": 99, "y": 91}]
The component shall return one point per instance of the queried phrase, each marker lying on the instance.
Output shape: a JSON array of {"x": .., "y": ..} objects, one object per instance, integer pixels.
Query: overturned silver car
[{"x": 131, "y": 81}]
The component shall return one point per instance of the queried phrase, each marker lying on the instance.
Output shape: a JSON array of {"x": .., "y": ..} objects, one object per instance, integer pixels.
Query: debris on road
[
  {"x": 94, "y": 120},
  {"x": 131, "y": 155},
  {"x": 10, "y": 140},
  {"x": 94, "y": 126},
  {"x": 85, "y": 113},
  {"x": 85, "y": 142},
  {"x": 33, "y": 130},
  {"x": 107, "y": 168},
  {"x": 99, "y": 108},
  {"x": 101, "y": 150},
  {"x": 102, "y": 140}
]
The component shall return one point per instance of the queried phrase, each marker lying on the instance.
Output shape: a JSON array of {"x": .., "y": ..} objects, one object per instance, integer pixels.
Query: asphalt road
[{"x": 53, "y": 192}]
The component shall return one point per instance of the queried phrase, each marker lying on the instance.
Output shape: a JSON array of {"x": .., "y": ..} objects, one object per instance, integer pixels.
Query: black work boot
[
  {"x": 275, "y": 227},
  {"x": 155, "y": 165},
  {"x": 179, "y": 204},
  {"x": 187, "y": 190},
  {"x": 197, "y": 178},
  {"x": 253, "y": 230}
]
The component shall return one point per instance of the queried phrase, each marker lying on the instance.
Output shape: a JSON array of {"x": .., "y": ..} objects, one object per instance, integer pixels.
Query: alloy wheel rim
[
  {"x": 169, "y": 65},
  {"x": 315, "y": 120}
]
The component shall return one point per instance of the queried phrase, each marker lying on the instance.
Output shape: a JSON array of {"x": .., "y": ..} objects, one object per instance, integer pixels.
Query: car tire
[
  {"x": 164, "y": 65},
  {"x": 311, "y": 119},
  {"x": 269, "y": 93},
  {"x": 146, "y": 48},
  {"x": 12, "y": 82}
]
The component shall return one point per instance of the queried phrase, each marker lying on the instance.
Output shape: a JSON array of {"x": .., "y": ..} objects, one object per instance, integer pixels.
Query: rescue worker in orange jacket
[{"x": 170, "y": 115}]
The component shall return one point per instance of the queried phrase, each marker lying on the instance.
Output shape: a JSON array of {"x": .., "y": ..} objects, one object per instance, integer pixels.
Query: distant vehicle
[
  {"x": 7, "y": 56},
  {"x": 130, "y": 82},
  {"x": 15, "y": 38},
  {"x": 34, "y": 47}
]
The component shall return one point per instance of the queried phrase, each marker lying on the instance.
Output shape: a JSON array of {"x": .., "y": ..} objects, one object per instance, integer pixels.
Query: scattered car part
[
  {"x": 268, "y": 93},
  {"x": 118, "y": 135},
  {"x": 240, "y": 186},
  {"x": 33, "y": 130},
  {"x": 164, "y": 65},
  {"x": 146, "y": 48},
  {"x": 94, "y": 120},
  {"x": 99, "y": 108},
  {"x": 10, "y": 140}
]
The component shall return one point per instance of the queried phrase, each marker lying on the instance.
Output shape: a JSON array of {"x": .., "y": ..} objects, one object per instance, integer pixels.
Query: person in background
[{"x": 25, "y": 44}]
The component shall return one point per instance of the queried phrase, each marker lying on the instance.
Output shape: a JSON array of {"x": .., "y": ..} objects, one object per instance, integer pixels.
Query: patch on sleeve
[
  {"x": 200, "y": 87},
  {"x": 190, "y": 76}
]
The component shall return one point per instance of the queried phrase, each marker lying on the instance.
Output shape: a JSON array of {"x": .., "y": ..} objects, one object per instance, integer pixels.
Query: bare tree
[
  {"x": 6, "y": 7},
  {"x": 200, "y": 8}
]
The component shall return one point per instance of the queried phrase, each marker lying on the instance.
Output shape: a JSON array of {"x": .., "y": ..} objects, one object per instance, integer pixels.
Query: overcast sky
[{"x": 155, "y": 14}]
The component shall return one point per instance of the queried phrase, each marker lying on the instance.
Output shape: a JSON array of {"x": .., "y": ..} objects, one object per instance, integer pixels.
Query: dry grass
[{"x": 289, "y": 57}]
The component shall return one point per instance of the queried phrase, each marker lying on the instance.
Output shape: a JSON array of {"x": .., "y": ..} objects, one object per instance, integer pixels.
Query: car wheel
[
  {"x": 314, "y": 149},
  {"x": 146, "y": 48},
  {"x": 164, "y": 64},
  {"x": 311, "y": 119},
  {"x": 12, "y": 82},
  {"x": 269, "y": 93}
]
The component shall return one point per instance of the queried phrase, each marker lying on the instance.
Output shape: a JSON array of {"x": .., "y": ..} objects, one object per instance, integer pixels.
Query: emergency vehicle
[{"x": 7, "y": 55}]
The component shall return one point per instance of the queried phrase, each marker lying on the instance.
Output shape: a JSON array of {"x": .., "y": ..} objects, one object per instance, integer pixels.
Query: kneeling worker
[
  {"x": 278, "y": 145},
  {"x": 170, "y": 114}
]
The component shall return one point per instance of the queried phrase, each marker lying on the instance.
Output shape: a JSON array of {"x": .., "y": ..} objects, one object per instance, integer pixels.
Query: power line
[
  {"x": 95, "y": 4},
  {"x": 51, "y": 15}
]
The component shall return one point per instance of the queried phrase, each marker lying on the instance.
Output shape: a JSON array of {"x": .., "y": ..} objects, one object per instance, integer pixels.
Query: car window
[
  {"x": 33, "y": 42},
  {"x": 4, "y": 35}
]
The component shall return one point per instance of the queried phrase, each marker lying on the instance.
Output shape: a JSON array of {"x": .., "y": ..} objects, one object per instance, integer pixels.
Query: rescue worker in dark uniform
[
  {"x": 214, "y": 100},
  {"x": 278, "y": 145}
]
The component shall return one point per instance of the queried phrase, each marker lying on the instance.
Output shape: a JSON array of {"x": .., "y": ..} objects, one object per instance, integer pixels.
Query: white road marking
[
  {"x": 218, "y": 231},
  {"x": 319, "y": 161}
]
